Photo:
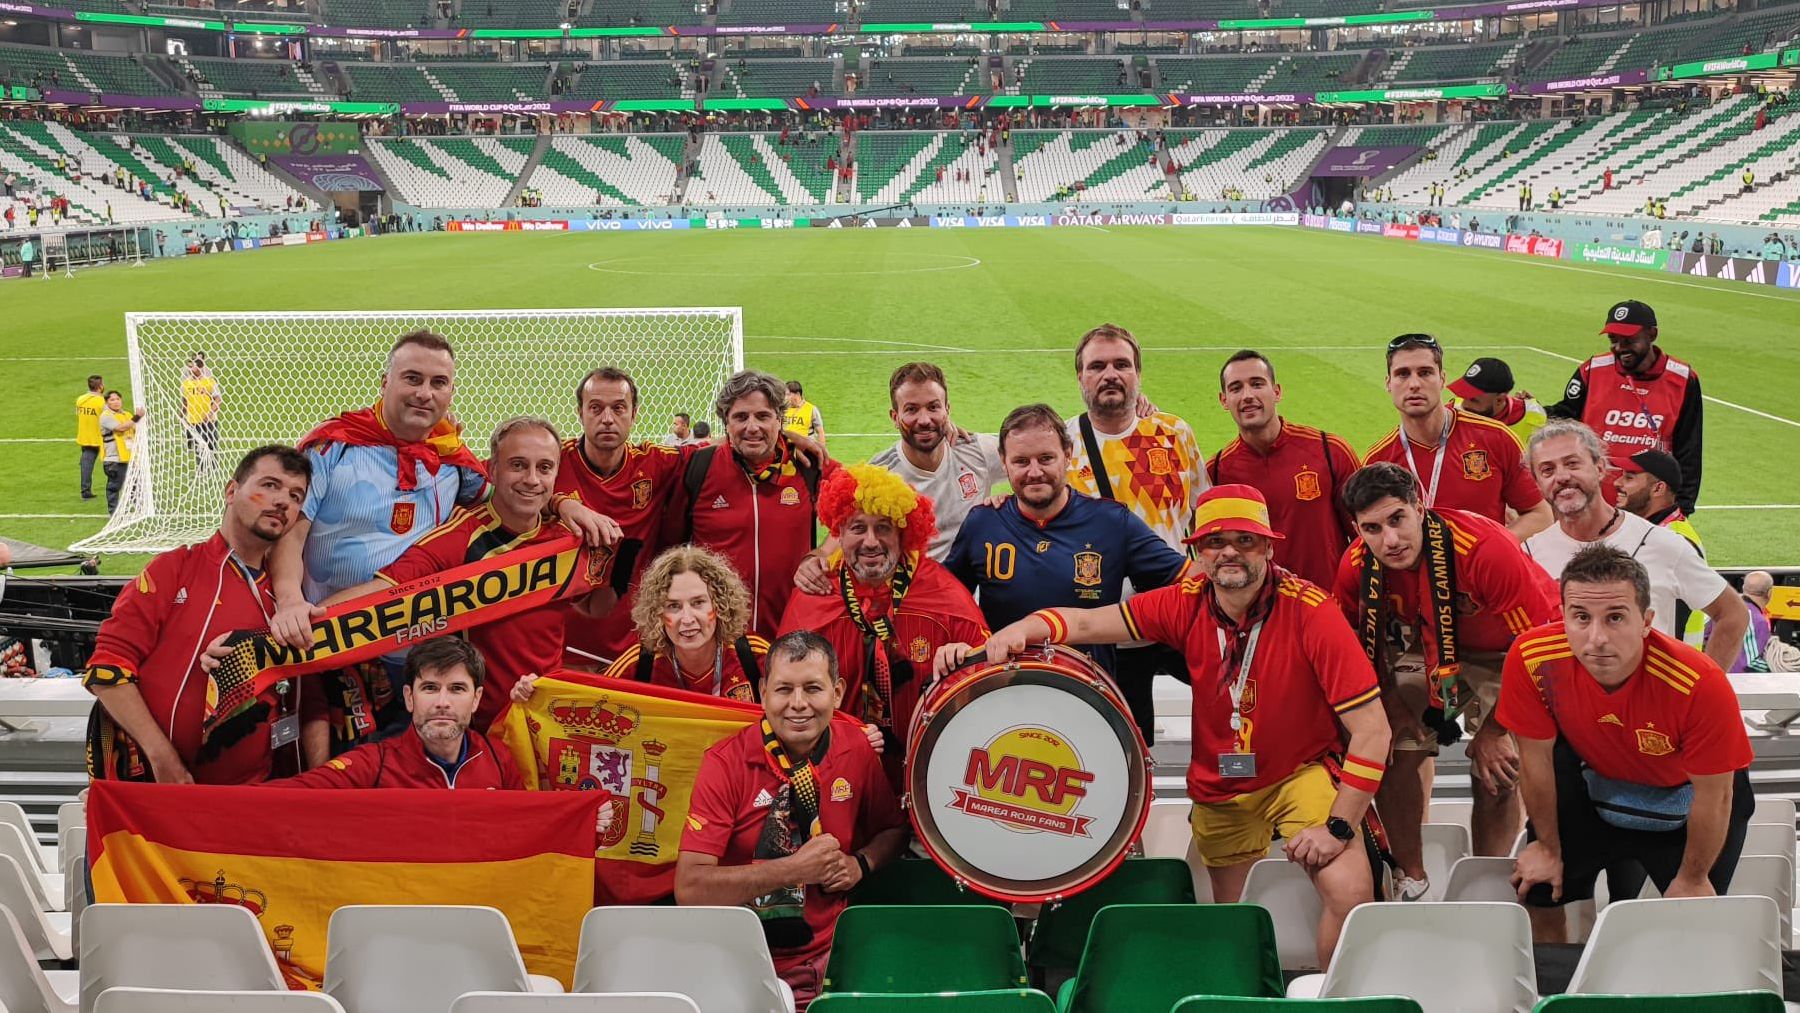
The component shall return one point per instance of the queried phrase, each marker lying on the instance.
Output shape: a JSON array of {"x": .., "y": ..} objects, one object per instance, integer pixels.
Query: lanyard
[
  {"x": 1437, "y": 466},
  {"x": 243, "y": 570},
  {"x": 1236, "y": 688}
]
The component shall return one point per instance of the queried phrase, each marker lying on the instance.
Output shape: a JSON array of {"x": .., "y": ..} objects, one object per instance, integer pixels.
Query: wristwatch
[
  {"x": 1340, "y": 828},
  {"x": 862, "y": 860}
]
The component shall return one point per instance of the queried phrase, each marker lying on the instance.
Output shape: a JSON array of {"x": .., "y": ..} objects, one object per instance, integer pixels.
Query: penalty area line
[{"x": 1721, "y": 402}]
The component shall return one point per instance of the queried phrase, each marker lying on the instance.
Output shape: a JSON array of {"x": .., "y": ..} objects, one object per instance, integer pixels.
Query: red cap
[{"x": 1231, "y": 508}]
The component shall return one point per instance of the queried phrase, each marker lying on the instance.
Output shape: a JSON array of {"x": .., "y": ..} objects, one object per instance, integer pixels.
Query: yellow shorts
[{"x": 1239, "y": 830}]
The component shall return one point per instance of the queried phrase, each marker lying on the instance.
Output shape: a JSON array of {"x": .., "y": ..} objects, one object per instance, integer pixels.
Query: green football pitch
[{"x": 999, "y": 310}]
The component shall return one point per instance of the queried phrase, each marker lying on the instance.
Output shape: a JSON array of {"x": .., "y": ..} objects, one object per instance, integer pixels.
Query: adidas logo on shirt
[
  {"x": 763, "y": 800},
  {"x": 720, "y": 504},
  {"x": 181, "y": 597}
]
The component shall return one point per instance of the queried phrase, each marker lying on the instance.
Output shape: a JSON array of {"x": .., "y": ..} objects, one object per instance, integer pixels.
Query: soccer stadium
[{"x": 1327, "y": 540}]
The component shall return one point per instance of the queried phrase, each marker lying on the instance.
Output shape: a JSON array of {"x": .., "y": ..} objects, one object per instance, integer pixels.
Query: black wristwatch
[
  {"x": 1340, "y": 828},
  {"x": 862, "y": 860}
]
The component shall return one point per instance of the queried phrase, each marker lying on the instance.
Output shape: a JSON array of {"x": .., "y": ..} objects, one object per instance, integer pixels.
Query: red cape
[{"x": 365, "y": 428}]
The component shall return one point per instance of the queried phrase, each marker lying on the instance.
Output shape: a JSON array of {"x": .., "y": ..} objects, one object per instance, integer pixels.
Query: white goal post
[{"x": 280, "y": 374}]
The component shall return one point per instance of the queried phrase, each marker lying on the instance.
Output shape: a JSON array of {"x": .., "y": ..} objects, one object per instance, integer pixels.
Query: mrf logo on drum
[{"x": 1029, "y": 779}]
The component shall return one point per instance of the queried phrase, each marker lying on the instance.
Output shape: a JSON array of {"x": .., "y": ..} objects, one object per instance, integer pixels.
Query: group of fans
[{"x": 1335, "y": 614}]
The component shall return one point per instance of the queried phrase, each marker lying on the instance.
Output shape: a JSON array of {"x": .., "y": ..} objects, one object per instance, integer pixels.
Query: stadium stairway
[
  {"x": 529, "y": 169},
  {"x": 750, "y": 170},
  {"x": 29, "y": 149},
  {"x": 610, "y": 170},
  {"x": 902, "y": 167},
  {"x": 1110, "y": 165},
  {"x": 1667, "y": 139}
]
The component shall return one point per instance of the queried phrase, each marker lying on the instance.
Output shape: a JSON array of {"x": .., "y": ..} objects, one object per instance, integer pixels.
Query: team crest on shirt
[
  {"x": 790, "y": 496},
  {"x": 640, "y": 494},
  {"x": 840, "y": 790},
  {"x": 919, "y": 650},
  {"x": 1249, "y": 700},
  {"x": 1087, "y": 569},
  {"x": 969, "y": 489},
  {"x": 1475, "y": 465},
  {"x": 1306, "y": 485},
  {"x": 1653, "y": 743},
  {"x": 401, "y": 520},
  {"x": 1158, "y": 459},
  {"x": 1043, "y": 546}
]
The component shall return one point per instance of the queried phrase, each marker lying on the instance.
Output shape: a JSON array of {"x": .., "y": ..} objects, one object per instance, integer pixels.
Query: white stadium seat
[
  {"x": 24, "y": 986},
  {"x": 419, "y": 958},
  {"x": 1477, "y": 878},
  {"x": 1445, "y": 845},
  {"x": 47, "y": 931},
  {"x": 1293, "y": 903},
  {"x": 13, "y": 813},
  {"x": 211, "y": 947},
  {"x": 658, "y": 949},
  {"x": 1680, "y": 947},
  {"x": 163, "y": 1000},
  {"x": 1451, "y": 810},
  {"x": 47, "y": 887},
  {"x": 70, "y": 814},
  {"x": 575, "y": 1002},
  {"x": 73, "y": 855},
  {"x": 1770, "y": 876},
  {"x": 1169, "y": 834},
  {"x": 1759, "y": 839},
  {"x": 1773, "y": 809},
  {"x": 1449, "y": 957}
]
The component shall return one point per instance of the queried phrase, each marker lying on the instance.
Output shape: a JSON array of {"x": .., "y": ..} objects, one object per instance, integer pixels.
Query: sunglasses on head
[{"x": 1412, "y": 341}]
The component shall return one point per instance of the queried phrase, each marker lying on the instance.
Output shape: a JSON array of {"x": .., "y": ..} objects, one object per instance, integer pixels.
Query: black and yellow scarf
[
  {"x": 884, "y": 663},
  {"x": 792, "y": 820},
  {"x": 781, "y": 463},
  {"x": 1440, "y": 579}
]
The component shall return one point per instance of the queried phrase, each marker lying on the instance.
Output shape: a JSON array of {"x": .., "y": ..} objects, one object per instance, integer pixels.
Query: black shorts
[{"x": 1590, "y": 844}]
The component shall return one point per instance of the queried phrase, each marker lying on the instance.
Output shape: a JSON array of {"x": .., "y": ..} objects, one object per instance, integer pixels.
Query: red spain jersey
[
  {"x": 1500, "y": 591},
  {"x": 1483, "y": 470},
  {"x": 1674, "y": 719},
  {"x": 1300, "y": 477},
  {"x": 636, "y": 497},
  {"x": 738, "y": 784},
  {"x": 402, "y": 762},
  {"x": 763, "y": 529},
  {"x": 1308, "y": 669},
  {"x": 529, "y": 643},
  {"x": 727, "y": 678}
]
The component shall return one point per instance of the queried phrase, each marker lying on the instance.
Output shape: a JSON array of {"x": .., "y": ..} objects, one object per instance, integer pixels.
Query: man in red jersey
[
  {"x": 633, "y": 483},
  {"x": 891, "y": 606},
  {"x": 1638, "y": 397},
  {"x": 1275, "y": 671},
  {"x": 1631, "y": 747},
  {"x": 442, "y": 685},
  {"x": 1299, "y": 470},
  {"x": 751, "y": 500},
  {"x": 1460, "y": 588},
  {"x": 146, "y": 672},
  {"x": 524, "y": 453},
  {"x": 1462, "y": 460}
]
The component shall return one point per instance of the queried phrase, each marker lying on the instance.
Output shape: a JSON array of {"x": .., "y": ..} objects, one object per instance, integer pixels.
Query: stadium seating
[
  {"x": 895, "y": 167},
  {"x": 611, "y": 170},
  {"x": 913, "y": 881},
  {"x": 224, "y": 169},
  {"x": 163, "y": 1000},
  {"x": 1445, "y": 844},
  {"x": 924, "y": 948},
  {"x": 1314, "y": 72},
  {"x": 391, "y": 82},
  {"x": 755, "y": 169},
  {"x": 635, "y": 80},
  {"x": 923, "y": 77},
  {"x": 924, "y": 10},
  {"x": 1716, "y": 1002},
  {"x": 1664, "y": 947},
  {"x": 1262, "y": 163},
  {"x": 215, "y": 947},
  {"x": 1072, "y": 76},
  {"x": 452, "y": 171},
  {"x": 778, "y": 78},
  {"x": 614, "y": 1002},
  {"x": 507, "y": 82},
  {"x": 1012, "y": 1000},
  {"x": 13, "y": 813},
  {"x": 659, "y": 949},
  {"x": 641, "y": 12},
  {"x": 1151, "y": 956},
  {"x": 1228, "y": 1004},
  {"x": 25, "y": 987},
  {"x": 1108, "y": 165},
  {"x": 1215, "y": 75},
  {"x": 775, "y": 12},
  {"x": 78, "y": 70},
  {"x": 1450, "y": 63},
  {"x": 510, "y": 13},
  {"x": 1476, "y": 878},
  {"x": 418, "y": 958},
  {"x": 1046, "y": 10},
  {"x": 1061, "y": 928},
  {"x": 260, "y": 78},
  {"x": 1283, "y": 889},
  {"x": 376, "y": 13},
  {"x": 48, "y": 933},
  {"x": 1770, "y": 876},
  {"x": 1476, "y": 949}
]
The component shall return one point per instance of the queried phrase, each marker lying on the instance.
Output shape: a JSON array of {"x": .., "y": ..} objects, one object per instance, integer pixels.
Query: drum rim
[{"x": 1028, "y": 670}]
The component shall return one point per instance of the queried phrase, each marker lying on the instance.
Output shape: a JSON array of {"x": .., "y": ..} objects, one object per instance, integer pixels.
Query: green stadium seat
[
  {"x": 914, "y": 881},
  {"x": 1715, "y": 1002},
  {"x": 375, "y": 13},
  {"x": 1062, "y": 928},
  {"x": 1236, "y": 1004},
  {"x": 1012, "y": 1000},
  {"x": 1144, "y": 958},
  {"x": 924, "y": 948}
]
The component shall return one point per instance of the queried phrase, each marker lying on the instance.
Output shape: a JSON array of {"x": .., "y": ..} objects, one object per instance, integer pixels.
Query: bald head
[{"x": 1758, "y": 586}]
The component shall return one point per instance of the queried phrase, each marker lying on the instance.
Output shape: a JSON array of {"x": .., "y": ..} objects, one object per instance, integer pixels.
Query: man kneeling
[
  {"x": 787, "y": 817},
  {"x": 1631, "y": 747},
  {"x": 442, "y": 689}
]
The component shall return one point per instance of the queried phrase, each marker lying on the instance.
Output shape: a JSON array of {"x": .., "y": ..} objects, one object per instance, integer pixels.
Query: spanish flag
[
  {"x": 638, "y": 742},
  {"x": 292, "y": 856}
]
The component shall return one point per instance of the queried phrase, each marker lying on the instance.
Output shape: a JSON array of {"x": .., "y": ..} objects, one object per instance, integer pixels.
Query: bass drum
[{"x": 1027, "y": 779}]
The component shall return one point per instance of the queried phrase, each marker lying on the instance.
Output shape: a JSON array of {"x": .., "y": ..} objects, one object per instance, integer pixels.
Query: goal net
[{"x": 277, "y": 375}]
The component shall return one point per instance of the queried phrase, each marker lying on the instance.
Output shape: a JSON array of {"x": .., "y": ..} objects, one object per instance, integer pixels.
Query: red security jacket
[
  {"x": 401, "y": 762},
  {"x": 1660, "y": 410}
]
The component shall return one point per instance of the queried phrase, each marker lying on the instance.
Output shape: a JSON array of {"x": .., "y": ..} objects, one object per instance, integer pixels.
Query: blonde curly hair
[{"x": 731, "y": 599}]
